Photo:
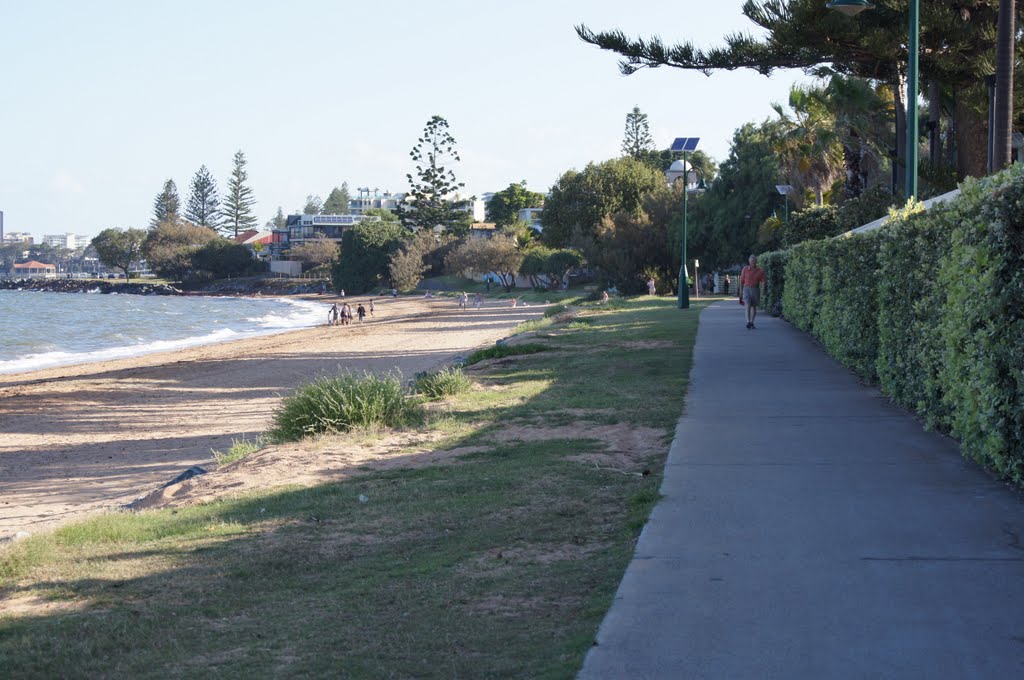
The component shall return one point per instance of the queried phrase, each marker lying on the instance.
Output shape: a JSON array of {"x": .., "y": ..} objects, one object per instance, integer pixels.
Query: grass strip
[{"x": 501, "y": 563}]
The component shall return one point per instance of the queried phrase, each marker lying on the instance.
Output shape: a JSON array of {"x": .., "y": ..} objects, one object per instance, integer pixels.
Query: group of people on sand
[
  {"x": 478, "y": 300},
  {"x": 342, "y": 315}
]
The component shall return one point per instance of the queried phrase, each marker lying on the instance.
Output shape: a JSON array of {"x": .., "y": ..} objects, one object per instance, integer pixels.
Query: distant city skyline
[{"x": 126, "y": 96}]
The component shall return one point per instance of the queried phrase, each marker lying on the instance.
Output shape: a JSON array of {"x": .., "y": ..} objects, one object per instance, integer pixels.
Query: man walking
[{"x": 751, "y": 279}]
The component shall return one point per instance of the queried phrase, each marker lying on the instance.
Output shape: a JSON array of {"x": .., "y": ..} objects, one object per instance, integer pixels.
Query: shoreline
[{"x": 87, "y": 437}]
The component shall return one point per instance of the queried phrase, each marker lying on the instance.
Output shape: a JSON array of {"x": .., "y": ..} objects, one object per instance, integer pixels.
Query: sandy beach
[{"x": 79, "y": 439}]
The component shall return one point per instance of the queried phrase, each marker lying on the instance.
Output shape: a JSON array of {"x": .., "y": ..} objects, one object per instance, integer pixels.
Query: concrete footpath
[{"x": 810, "y": 529}]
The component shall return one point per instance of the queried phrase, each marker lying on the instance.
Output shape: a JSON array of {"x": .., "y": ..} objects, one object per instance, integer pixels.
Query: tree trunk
[
  {"x": 934, "y": 125},
  {"x": 1002, "y": 147},
  {"x": 971, "y": 138},
  {"x": 852, "y": 155}
]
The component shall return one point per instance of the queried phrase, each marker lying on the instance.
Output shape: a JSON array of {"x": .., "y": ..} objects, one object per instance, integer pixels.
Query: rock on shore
[{"x": 89, "y": 286}]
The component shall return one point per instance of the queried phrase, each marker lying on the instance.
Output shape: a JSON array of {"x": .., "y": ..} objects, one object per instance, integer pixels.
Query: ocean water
[{"x": 41, "y": 330}]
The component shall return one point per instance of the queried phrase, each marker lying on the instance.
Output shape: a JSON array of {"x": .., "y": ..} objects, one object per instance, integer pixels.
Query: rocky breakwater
[{"x": 89, "y": 286}]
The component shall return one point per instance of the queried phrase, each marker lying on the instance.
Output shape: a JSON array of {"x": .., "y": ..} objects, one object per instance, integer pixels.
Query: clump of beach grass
[
  {"x": 240, "y": 448},
  {"x": 343, "y": 403},
  {"x": 446, "y": 382},
  {"x": 502, "y": 351}
]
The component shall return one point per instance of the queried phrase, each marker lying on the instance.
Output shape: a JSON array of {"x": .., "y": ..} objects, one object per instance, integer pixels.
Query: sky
[{"x": 103, "y": 101}]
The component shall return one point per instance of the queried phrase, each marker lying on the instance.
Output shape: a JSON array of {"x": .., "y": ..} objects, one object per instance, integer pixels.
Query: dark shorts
[{"x": 752, "y": 296}]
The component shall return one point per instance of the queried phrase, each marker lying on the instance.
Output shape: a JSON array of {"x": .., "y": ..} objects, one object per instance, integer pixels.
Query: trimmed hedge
[
  {"x": 931, "y": 307},
  {"x": 774, "y": 265}
]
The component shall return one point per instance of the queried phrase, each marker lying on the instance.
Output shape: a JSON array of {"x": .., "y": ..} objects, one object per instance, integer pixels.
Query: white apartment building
[
  {"x": 68, "y": 240},
  {"x": 374, "y": 199},
  {"x": 532, "y": 217},
  {"x": 19, "y": 237}
]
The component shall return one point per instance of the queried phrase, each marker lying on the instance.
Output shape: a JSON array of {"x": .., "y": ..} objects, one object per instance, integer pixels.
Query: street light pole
[
  {"x": 854, "y": 7},
  {"x": 685, "y": 145}
]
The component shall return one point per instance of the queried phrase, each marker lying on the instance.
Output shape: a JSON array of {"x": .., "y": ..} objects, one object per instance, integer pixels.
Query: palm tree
[
  {"x": 807, "y": 142},
  {"x": 863, "y": 124}
]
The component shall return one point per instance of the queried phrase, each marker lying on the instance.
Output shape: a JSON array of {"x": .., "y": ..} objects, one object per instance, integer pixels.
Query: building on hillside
[
  {"x": 300, "y": 228},
  {"x": 34, "y": 270},
  {"x": 19, "y": 237},
  {"x": 367, "y": 200},
  {"x": 532, "y": 216},
  {"x": 68, "y": 240}
]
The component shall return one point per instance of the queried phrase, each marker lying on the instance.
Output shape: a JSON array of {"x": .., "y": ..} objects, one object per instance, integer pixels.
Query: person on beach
[
  {"x": 346, "y": 314},
  {"x": 394, "y": 292},
  {"x": 651, "y": 287},
  {"x": 463, "y": 300},
  {"x": 371, "y": 306},
  {"x": 751, "y": 279},
  {"x": 361, "y": 313},
  {"x": 727, "y": 283},
  {"x": 332, "y": 315},
  {"x": 604, "y": 296},
  {"x": 478, "y": 300},
  {"x": 515, "y": 301},
  {"x": 428, "y": 295}
]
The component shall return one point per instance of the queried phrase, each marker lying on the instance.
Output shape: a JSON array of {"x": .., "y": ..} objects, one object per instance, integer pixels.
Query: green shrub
[
  {"x": 240, "y": 448},
  {"x": 774, "y": 265},
  {"x": 910, "y": 304},
  {"x": 555, "y": 310},
  {"x": 502, "y": 351},
  {"x": 446, "y": 382},
  {"x": 872, "y": 204},
  {"x": 801, "y": 294},
  {"x": 810, "y": 224},
  {"x": 342, "y": 403},
  {"x": 982, "y": 367}
]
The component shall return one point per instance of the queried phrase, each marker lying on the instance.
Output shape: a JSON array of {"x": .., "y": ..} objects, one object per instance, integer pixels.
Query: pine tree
[
  {"x": 337, "y": 201},
  {"x": 203, "y": 204},
  {"x": 432, "y": 189},
  {"x": 637, "y": 141},
  {"x": 166, "y": 204},
  {"x": 279, "y": 221},
  {"x": 236, "y": 208}
]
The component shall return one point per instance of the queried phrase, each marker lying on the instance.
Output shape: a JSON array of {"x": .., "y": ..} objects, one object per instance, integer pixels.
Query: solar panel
[{"x": 685, "y": 144}]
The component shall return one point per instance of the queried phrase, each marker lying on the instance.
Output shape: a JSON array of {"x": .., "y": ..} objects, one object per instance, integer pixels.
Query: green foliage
[
  {"x": 815, "y": 222},
  {"x": 118, "y": 248},
  {"x": 935, "y": 301},
  {"x": 580, "y": 200},
  {"x": 343, "y": 403},
  {"x": 982, "y": 368},
  {"x": 337, "y": 201},
  {"x": 774, "y": 265},
  {"x": 315, "y": 251},
  {"x": 723, "y": 223},
  {"x": 910, "y": 308},
  {"x": 221, "y": 257},
  {"x": 498, "y": 255},
  {"x": 236, "y": 207},
  {"x": 503, "y": 350},
  {"x": 446, "y": 382},
  {"x": 868, "y": 207},
  {"x": 830, "y": 292},
  {"x": 170, "y": 246},
  {"x": 434, "y": 182},
  {"x": 503, "y": 208},
  {"x": 366, "y": 251},
  {"x": 203, "y": 207},
  {"x": 240, "y": 448},
  {"x": 166, "y": 204},
  {"x": 636, "y": 140}
]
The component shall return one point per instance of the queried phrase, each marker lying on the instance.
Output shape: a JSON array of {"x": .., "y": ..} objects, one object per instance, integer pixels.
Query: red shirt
[{"x": 751, "y": 276}]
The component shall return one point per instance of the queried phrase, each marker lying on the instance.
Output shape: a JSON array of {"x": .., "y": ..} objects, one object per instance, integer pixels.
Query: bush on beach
[
  {"x": 343, "y": 403},
  {"x": 446, "y": 382}
]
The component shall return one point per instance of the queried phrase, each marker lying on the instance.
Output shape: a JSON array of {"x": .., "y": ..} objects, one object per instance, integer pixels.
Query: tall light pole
[
  {"x": 785, "y": 190},
  {"x": 685, "y": 145},
  {"x": 855, "y": 7}
]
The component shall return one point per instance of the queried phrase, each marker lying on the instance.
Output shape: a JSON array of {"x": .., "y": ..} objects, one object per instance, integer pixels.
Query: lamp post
[
  {"x": 680, "y": 169},
  {"x": 854, "y": 7},
  {"x": 785, "y": 190}
]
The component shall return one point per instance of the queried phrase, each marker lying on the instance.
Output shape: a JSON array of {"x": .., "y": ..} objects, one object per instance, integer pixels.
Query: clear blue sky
[{"x": 103, "y": 101}]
